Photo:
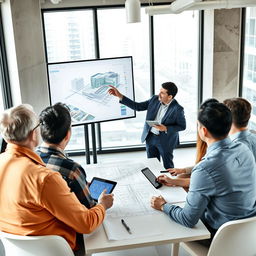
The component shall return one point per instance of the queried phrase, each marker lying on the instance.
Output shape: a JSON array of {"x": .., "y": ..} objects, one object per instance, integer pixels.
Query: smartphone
[{"x": 151, "y": 177}]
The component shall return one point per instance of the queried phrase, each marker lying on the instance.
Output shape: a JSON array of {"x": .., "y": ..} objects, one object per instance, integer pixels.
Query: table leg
[{"x": 175, "y": 249}]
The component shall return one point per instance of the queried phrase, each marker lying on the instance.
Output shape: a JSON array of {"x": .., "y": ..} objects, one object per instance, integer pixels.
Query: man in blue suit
[{"x": 163, "y": 138}]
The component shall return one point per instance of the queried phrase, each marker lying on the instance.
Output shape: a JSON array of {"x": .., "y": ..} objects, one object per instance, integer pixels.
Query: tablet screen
[
  {"x": 152, "y": 123},
  {"x": 98, "y": 185}
]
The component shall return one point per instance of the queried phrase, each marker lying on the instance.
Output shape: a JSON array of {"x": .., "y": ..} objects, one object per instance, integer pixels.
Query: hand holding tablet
[
  {"x": 98, "y": 185},
  {"x": 152, "y": 123}
]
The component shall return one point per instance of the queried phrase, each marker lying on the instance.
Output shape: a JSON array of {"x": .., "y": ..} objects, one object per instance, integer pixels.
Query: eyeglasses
[{"x": 36, "y": 126}]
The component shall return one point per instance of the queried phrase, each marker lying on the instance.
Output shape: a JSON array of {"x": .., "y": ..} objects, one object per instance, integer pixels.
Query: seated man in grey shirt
[
  {"x": 241, "y": 113},
  {"x": 223, "y": 184}
]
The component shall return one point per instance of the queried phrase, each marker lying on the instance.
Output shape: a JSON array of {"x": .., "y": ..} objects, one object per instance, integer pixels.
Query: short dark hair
[
  {"x": 171, "y": 88},
  {"x": 208, "y": 102},
  {"x": 217, "y": 118},
  {"x": 241, "y": 111},
  {"x": 55, "y": 122}
]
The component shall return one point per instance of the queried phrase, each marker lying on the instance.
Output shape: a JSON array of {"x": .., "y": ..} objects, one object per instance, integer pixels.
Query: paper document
[
  {"x": 125, "y": 173},
  {"x": 134, "y": 199},
  {"x": 173, "y": 195},
  {"x": 139, "y": 228}
]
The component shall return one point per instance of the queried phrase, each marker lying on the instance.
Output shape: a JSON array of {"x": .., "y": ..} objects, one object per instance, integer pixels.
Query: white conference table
[{"x": 169, "y": 231}]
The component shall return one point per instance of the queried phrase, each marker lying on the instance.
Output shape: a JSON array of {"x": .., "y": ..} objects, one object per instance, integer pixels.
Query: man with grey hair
[{"x": 35, "y": 200}]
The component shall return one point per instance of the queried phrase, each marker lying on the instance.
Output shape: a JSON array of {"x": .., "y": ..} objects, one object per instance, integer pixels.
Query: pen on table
[
  {"x": 163, "y": 171},
  {"x": 126, "y": 227}
]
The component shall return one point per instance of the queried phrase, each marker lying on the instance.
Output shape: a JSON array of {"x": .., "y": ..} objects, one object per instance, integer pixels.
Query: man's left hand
[{"x": 161, "y": 127}]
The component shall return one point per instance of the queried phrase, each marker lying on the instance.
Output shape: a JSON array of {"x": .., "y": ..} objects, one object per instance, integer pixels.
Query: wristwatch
[{"x": 162, "y": 206}]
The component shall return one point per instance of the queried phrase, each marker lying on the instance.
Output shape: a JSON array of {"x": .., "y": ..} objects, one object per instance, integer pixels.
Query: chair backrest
[
  {"x": 236, "y": 238},
  {"x": 15, "y": 245},
  {"x": 3, "y": 145}
]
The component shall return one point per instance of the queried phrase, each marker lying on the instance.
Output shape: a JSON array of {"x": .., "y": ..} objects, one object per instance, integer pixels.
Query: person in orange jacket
[{"x": 35, "y": 200}]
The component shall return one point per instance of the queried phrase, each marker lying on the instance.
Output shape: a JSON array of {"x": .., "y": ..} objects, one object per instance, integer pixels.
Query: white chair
[
  {"x": 15, "y": 245},
  {"x": 234, "y": 238}
]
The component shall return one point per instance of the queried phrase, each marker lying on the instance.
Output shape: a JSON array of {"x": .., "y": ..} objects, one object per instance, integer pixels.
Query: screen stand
[
  {"x": 87, "y": 145},
  {"x": 94, "y": 151}
]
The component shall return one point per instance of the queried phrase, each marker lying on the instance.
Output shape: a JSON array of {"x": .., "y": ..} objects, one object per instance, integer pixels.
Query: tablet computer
[
  {"x": 152, "y": 122},
  {"x": 151, "y": 177},
  {"x": 98, "y": 185}
]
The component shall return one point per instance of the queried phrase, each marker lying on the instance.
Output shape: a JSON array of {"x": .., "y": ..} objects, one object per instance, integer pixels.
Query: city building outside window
[
  {"x": 249, "y": 72},
  {"x": 178, "y": 62},
  {"x": 70, "y": 36}
]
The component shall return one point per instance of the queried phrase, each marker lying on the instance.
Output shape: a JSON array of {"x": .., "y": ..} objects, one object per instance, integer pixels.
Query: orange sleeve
[{"x": 62, "y": 204}]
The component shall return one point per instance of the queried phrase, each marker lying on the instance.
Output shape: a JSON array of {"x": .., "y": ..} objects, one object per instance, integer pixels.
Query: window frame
[
  {"x": 4, "y": 72},
  {"x": 97, "y": 139}
]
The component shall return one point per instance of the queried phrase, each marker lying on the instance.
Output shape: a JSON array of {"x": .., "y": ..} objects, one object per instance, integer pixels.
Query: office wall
[
  {"x": 221, "y": 53},
  {"x": 226, "y": 53},
  {"x": 25, "y": 52},
  {"x": 25, "y": 49}
]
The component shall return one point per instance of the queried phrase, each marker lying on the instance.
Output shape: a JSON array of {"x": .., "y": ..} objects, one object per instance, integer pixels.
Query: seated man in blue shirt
[
  {"x": 223, "y": 184},
  {"x": 55, "y": 127},
  {"x": 241, "y": 113}
]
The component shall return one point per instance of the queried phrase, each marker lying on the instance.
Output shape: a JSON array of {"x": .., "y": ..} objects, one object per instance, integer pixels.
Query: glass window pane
[
  {"x": 69, "y": 35},
  {"x": 249, "y": 74},
  {"x": 121, "y": 39},
  {"x": 1, "y": 99},
  {"x": 77, "y": 139},
  {"x": 176, "y": 60}
]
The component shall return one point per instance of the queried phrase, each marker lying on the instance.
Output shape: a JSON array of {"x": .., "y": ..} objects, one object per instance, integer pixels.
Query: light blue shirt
[
  {"x": 246, "y": 137},
  {"x": 159, "y": 116},
  {"x": 222, "y": 187}
]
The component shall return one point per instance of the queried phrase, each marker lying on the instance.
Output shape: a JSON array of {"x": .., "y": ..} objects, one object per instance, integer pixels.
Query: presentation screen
[{"x": 84, "y": 85}]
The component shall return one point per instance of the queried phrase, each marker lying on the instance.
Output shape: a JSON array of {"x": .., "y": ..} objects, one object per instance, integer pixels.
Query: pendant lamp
[
  {"x": 132, "y": 8},
  {"x": 56, "y": 1}
]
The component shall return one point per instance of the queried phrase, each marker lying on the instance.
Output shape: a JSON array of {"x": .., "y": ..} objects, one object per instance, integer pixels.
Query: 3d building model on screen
[
  {"x": 101, "y": 79},
  {"x": 96, "y": 91},
  {"x": 100, "y": 82},
  {"x": 84, "y": 86}
]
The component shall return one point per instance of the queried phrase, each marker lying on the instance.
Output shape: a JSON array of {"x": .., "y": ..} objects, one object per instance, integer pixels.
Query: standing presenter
[{"x": 163, "y": 108}]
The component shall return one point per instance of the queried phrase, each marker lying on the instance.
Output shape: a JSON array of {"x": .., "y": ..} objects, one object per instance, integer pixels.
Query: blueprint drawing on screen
[{"x": 84, "y": 86}]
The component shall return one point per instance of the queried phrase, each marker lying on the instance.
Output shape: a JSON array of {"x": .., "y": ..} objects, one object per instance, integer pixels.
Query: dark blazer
[{"x": 173, "y": 119}]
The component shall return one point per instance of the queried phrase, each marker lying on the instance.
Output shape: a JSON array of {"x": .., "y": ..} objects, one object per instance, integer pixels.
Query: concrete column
[
  {"x": 25, "y": 52},
  {"x": 226, "y": 53},
  {"x": 222, "y": 53}
]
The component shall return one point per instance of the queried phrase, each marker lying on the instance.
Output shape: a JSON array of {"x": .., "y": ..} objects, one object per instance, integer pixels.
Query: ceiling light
[
  {"x": 132, "y": 8},
  {"x": 186, "y": 5},
  {"x": 56, "y": 1}
]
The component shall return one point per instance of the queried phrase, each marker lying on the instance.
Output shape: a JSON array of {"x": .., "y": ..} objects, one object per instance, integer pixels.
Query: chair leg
[{"x": 175, "y": 249}]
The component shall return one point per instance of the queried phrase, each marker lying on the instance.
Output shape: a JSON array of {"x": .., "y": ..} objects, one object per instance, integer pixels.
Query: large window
[
  {"x": 69, "y": 35},
  {"x": 1, "y": 98},
  {"x": 249, "y": 71},
  {"x": 113, "y": 43},
  {"x": 103, "y": 32},
  {"x": 178, "y": 62},
  {"x": 5, "y": 88}
]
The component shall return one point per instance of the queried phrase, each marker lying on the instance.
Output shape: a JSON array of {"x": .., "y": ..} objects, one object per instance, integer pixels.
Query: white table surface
[{"x": 171, "y": 232}]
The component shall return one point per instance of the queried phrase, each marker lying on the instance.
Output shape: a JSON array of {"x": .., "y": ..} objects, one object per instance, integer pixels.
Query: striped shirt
[{"x": 73, "y": 173}]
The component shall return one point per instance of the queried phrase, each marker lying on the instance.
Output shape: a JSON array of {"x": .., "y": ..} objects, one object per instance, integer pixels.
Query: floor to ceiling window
[
  {"x": 122, "y": 39},
  {"x": 249, "y": 71},
  {"x": 178, "y": 62},
  {"x": 5, "y": 88},
  {"x": 96, "y": 32}
]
